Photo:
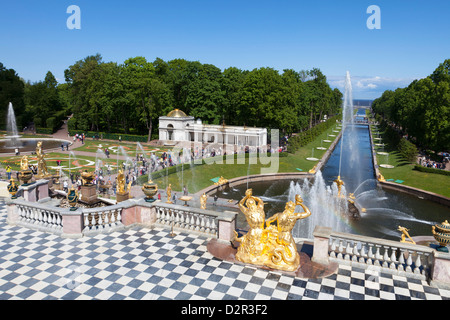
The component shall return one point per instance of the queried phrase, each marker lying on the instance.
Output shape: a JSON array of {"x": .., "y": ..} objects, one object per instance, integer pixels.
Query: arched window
[{"x": 169, "y": 132}]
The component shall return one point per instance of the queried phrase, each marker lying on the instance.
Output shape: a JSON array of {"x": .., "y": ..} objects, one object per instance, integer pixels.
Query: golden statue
[
  {"x": 381, "y": 178},
  {"x": 272, "y": 246},
  {"x": 221, "y": 181},
  {"x": 203, "y": 199},
  {"x": 120, "y": 181},
  {"x": 42, "y": 165},
  {"x": 405, "y": 234},
  {"x": 280, "y": 245},
  {"x": 169, "y": 193},
  {"x": 313, "y": 170},
  {"x": 251, "y": 247},
  {"x": 339, "y": 184},
  {"x": 24, "y": 163}
]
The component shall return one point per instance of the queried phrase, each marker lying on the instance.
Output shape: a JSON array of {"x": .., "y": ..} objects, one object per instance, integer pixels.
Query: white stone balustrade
[
  {"x": 189, "y": 219},
  {"x": 102, "y": 219},
  {"x": 381, "y": 255},
  {"x": 37, "y": 216}
]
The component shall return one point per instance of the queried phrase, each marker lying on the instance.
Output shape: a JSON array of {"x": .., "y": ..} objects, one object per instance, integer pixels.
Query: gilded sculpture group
[{"x": 266, "y": 244}]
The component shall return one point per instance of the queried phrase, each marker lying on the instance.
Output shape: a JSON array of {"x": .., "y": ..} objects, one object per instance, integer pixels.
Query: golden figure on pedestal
[
  {"x": 120, "y": 181},
  {"x": 405, "y": 234},
  {"x": 42, "y": 165},
  {"x": 339, "y": 184},
  {"x": 221, "y": 181},
  {"x": 272, "y": 246},
  {"x": 24, "y": 163},
  {"x": 280, "y": 245},
  {"x": 169, "y": 193},
  {"x": 251, "y": 248},
  {"x": 203, "y": 199}
]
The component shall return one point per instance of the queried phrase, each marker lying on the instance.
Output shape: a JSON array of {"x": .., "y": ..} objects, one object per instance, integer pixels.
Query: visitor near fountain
[{"x": 8, "y": 171}]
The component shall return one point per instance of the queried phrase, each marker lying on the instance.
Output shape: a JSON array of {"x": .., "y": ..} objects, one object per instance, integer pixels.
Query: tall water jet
[
  {"x": 349, "y": 137},
  {"x": 11, "y": 128}
]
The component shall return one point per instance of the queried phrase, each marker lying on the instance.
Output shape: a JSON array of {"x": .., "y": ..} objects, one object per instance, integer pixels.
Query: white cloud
[{"x": 369, "y": 87}]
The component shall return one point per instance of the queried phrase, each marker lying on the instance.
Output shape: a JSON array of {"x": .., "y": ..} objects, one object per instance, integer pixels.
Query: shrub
[
  {"x": 431, "y": 170},
  {"x": 407, "y": 149}
]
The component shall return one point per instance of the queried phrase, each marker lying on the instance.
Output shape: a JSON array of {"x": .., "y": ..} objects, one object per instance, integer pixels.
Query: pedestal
[
  {"x": 88, "y": 194},
  {"x": 122, "y": 196},
  {"x": 35, "y": 191}
]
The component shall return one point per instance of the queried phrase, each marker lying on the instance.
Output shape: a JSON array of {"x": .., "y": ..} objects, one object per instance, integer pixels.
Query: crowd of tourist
[{"x": 425, "y": 161}]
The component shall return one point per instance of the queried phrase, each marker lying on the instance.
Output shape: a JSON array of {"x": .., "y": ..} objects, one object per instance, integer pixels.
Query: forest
[
  {"x": 129, "y": 97},
  {"x": 420, "y": 111}
]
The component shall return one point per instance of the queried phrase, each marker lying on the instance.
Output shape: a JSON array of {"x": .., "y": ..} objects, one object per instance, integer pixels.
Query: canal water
[{"x": 385, "y": 209}]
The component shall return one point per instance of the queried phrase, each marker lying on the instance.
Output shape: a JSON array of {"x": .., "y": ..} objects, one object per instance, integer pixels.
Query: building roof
[{"x": 176, "y": 113}]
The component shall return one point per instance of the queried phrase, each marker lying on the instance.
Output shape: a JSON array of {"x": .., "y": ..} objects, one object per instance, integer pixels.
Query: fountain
[
  {"x": 11, "y": 129},
  {"x": 312, "y": 158},
  {"x": 14, "y": 141},
  {"x": 379, "y": 211}
]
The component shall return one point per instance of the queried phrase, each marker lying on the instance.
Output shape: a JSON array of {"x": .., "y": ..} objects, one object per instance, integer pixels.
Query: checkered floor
[{"x": 145, "y": 263}]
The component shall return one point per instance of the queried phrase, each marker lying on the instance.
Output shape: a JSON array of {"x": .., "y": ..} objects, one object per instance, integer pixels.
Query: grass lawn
[
  {"x": 404, "y": 170},
  {"x": 51, "y": 158},
  {"x": 131, "y": 148}
]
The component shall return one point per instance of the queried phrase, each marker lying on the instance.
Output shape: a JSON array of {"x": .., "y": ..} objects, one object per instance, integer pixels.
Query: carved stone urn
[
  {"x": 72, "y": 197},
  {"x": 150, "y": 189},
  {"x": 441, "y": 233},
  {"x": 12, "y": 188}
]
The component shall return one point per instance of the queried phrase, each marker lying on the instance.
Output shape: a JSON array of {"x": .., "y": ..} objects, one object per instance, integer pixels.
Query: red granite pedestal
[{"x": 89, "y": 194}]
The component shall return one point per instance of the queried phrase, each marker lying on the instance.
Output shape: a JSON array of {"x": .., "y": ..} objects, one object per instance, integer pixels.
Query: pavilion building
[{"x": 179, "y": 127}]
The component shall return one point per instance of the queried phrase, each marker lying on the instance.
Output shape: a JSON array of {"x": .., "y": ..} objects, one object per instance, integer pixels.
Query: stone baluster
[
  {"x": 418, "y": 263},
  {"x": 401, "y": 266},
  {"x": 386, "y": 258},
  {"x": 340, "y": 250},
  {"x": 363, "y": 254},
  {"x": 192, "y": 222},
  {"x": 409, "y": 262},
  {"x": 208, "y": 225},
  {"x": 370, "y": 255},
  {"x": 393, "y": 259},
  {"x": 119, "y": 216},
  {"x": 213, "y": 225},
  {"x": 378, "y": 256},
  {"x": 202, "y": 223},
  {"x": 333, "y": 248},
  {"x": 355, "y": 252}
]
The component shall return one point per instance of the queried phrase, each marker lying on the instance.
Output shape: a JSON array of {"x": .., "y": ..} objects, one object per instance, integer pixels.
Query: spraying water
[{"x": 11, "y": 128}]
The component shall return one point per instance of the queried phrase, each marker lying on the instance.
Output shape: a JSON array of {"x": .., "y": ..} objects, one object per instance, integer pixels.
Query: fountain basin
[
  {"x": 29, "y": 144},
  {"x": 386, "y": 166}
]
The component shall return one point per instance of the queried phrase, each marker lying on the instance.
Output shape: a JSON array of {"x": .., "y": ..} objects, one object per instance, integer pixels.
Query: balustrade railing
[
  {"x": 100, "y": 219},
  {"x": 40, "y": 217},
  {"x": 385, "y": 255},
  {"x": 187, "y": 218}
]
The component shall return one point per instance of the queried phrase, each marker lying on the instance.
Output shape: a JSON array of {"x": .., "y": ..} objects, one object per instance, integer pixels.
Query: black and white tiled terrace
[{"x": 142, "y": 264}]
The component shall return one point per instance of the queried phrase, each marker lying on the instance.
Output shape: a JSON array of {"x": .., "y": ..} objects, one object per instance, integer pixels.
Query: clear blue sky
[{"x": 328, "y": 34}]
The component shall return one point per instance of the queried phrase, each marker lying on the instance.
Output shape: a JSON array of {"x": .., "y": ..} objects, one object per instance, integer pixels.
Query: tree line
[
  {"x": 129, "y": 97},
  {"x": 420, "y": 111}
]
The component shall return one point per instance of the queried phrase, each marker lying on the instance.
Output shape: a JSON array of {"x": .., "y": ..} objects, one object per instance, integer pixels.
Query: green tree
[{"x": 12, "y": 89}]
